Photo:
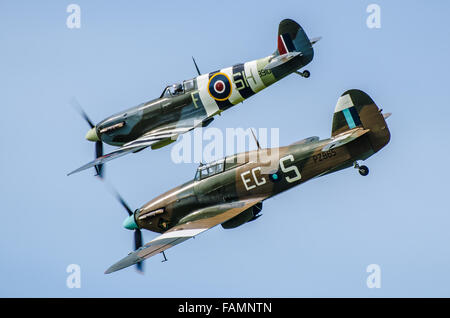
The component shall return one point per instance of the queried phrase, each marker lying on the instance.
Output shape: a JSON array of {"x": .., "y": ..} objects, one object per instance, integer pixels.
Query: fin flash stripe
[
  {"x": 352, "y": 117},
  {"x": 285, "y": 44}
]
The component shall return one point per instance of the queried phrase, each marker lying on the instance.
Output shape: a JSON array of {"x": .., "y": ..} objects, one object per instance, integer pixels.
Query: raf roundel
[{"x": 219, "y": 87}]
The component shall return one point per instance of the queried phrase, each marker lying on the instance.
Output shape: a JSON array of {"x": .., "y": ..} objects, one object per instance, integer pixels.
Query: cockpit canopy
[
  {"x": 179, "y": 89},
  {"x": 221, "y": 165},
  {"x": 209, "y": 169}
]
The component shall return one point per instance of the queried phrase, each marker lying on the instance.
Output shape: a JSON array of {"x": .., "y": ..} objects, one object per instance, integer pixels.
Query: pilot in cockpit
[
  {"x": 172, "y": 90},
  {"x": 177, "y": 89}
]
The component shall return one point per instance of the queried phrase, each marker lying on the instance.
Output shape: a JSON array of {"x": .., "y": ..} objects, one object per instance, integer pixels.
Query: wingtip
[
  {"x": 113, "y": 268},
  {"x": 125, "y": 262},
  {"x": 84, "y": 167},
  {"x": 75, "y": 171}
]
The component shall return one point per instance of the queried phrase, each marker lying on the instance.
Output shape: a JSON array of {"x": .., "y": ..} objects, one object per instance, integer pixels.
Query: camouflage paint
[
  {"x": 234, "y": 196},
  {"x": 197, "y": 104},
  {"x": 159, "y": 122},
  {"x": 308, "y": 158}
]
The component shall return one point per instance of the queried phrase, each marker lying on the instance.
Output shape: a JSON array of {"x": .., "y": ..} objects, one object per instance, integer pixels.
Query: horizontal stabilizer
[
  {"x": 315, "y": 40},
  {"x": 387, "y": 115},
  {"x": 342, "y": 139},
  {"x": 306, "y": 140},
  {"x": 281, "y": 59}
]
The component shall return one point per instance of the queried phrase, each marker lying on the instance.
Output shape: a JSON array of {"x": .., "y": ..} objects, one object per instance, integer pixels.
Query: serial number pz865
[{"x": 324, "y": 155}]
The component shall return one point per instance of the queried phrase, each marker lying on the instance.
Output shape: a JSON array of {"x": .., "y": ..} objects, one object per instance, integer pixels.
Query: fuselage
[{"x": 196, "y": 100}]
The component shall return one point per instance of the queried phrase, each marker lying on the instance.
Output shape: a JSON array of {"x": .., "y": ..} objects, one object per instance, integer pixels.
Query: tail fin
[
  {"x": 356, "y": 109},
  {"x": 294, "y": 49},
  {"x": 292, "y": 38}
]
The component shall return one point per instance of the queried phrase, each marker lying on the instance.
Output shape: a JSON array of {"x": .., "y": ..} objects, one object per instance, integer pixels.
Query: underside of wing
[
  {"x": 156, "y": 139},
  {"x": 134, "y": 146},
  {"x": 197, "y": 222}
]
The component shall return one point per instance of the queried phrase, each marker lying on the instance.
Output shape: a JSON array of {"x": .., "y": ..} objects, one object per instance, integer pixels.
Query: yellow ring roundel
[{"x": 219, "y": 87}]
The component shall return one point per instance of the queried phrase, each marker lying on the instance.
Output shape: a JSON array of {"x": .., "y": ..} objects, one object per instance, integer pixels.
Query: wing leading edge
[
  {"x": 133, "y": 146},
  {"x": 138, "y": 144},
  {"x": 201, "y": 221}
]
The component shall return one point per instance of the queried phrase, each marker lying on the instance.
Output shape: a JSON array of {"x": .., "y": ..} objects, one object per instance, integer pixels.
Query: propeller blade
[
  {"x": 99, "y": 153},
  {"x": 118, "y": 197},
  {"x": 137, "y": 232},
  {"x": 137, "y": 239},
  {"x": 137, "y": 245},
  {"x": 124, "y": 204},
  {"x": 139, "y": 267},
  {"x": 98, "y": 144},
  {"x": 75, "y": 104}
]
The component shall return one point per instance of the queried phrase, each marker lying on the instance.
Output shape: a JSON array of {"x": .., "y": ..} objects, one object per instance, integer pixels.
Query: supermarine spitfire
[
  {"x": 231, "y": 191},
  {"x": 195, "y": 102}
]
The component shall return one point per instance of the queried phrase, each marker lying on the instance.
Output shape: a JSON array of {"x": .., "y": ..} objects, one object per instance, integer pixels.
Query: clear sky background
[{"x": 314, "y": 240}]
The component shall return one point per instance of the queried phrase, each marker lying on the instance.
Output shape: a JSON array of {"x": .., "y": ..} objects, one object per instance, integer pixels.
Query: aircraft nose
[
  {"x": 92, "y": 135},
  {"x": 130, "y": 223}
]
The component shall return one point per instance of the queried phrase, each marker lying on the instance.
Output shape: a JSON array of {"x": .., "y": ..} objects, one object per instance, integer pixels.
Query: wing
[
  {"x": 197, "y": 222},
  {"x": 142, "y": 142},
  {"x": 132, "y": 146},
  {"x": 344, "y": 138}
]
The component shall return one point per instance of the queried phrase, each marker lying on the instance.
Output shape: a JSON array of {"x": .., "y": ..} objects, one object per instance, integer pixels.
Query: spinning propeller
[
  {"x": 91, "y": 135},
  {"x": 137, "y": 231}
]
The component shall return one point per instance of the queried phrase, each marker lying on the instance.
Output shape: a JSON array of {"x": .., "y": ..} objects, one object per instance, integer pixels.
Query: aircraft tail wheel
[
  {"x": 306, "y": 74},
  {"x": 363, "y": 170}
]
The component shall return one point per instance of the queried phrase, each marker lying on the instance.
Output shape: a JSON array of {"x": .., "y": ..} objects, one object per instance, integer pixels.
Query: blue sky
[{"x": 314, "y": 240}]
